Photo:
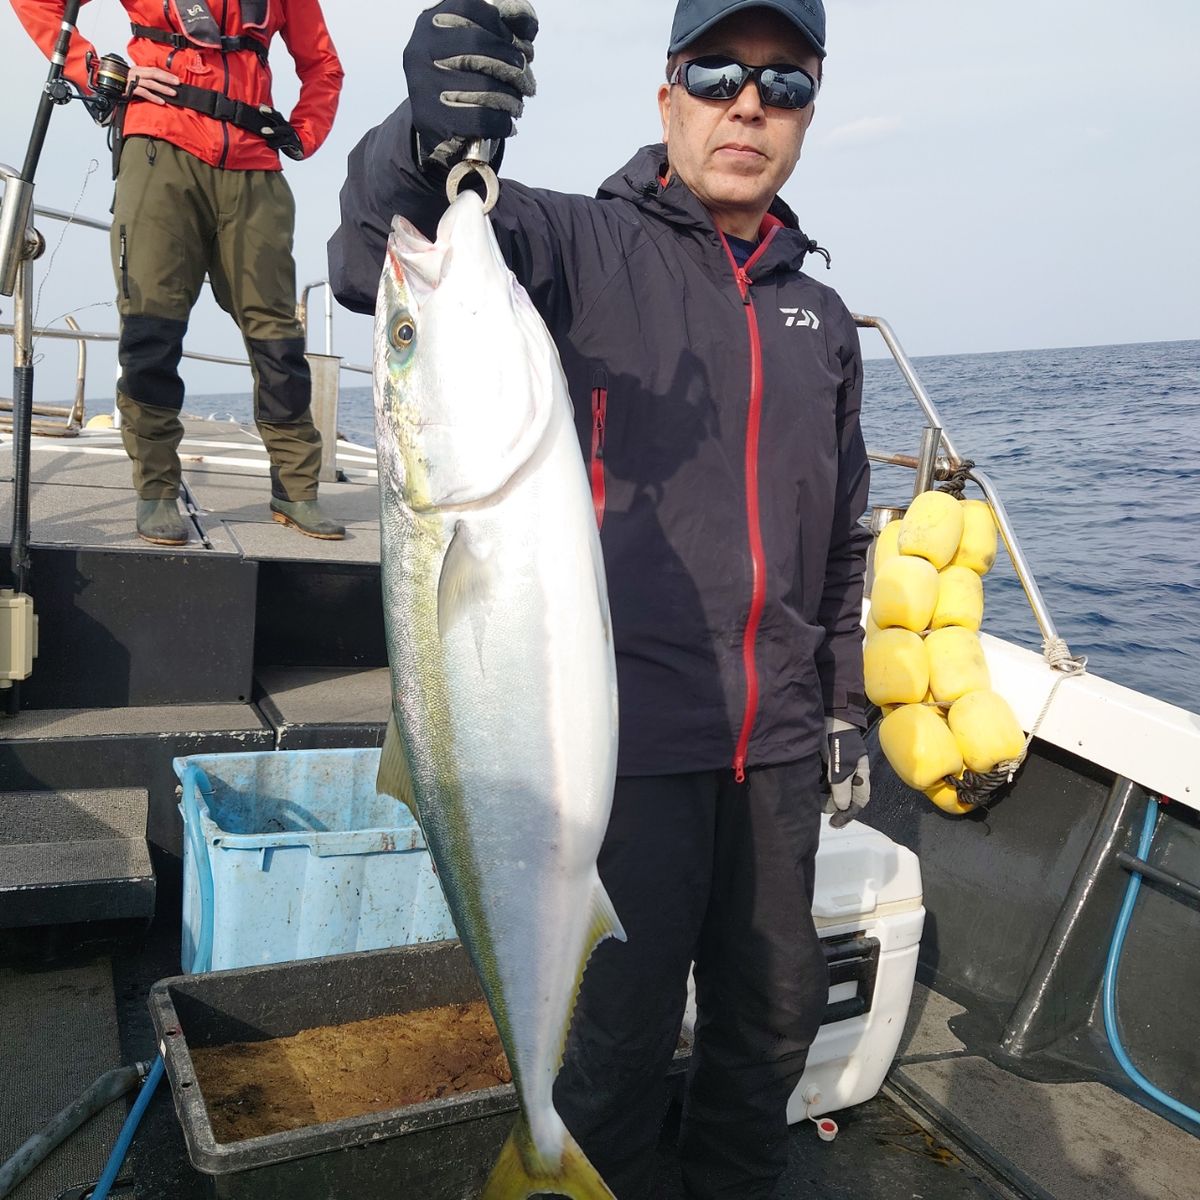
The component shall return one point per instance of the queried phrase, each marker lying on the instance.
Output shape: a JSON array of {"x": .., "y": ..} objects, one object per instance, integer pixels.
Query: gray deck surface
[
  {"x": 49, "y": 838},
  {"x": 81, "y": 495},
  {"x": 928, "y": 1030},
  {"x": 59, "y": 1034},
  {"x": 58, "y": 1027},
  {"x": 319, "y": 696},
  {"x": 101, "y": 813},
  {"x": 101, "y": 722},
  {"x": 266, "y": 540},
  {"x": 105, "y": 465},
  {"x": 1071, "y": 1141}
]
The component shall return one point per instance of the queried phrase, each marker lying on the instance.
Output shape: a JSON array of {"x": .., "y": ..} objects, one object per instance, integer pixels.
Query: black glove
[
  {"x": 278, "y": 134},
  {"x": 467, "y": 67},
  {"x": 847, "y": 771}
]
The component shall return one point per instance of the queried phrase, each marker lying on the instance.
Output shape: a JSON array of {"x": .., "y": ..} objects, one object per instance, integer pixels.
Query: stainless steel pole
[{"x": 931, "y": 439}]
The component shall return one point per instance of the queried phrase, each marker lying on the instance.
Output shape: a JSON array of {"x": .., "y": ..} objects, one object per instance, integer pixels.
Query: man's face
[{"x": 736, "y": 154}]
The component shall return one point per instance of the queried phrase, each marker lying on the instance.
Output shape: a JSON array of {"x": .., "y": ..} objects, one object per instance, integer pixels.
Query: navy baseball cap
[{"x": 694, "y": 17}]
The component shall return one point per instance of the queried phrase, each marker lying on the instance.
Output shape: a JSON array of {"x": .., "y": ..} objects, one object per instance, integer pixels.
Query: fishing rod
[{"x": 20, "y": 244}]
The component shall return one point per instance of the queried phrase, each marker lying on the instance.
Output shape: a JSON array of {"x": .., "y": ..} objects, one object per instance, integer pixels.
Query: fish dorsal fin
[
  {"x": 465, "y": 586},
  {"x": 395, "y": 778},
  {"x": 519, "y": 1172}
]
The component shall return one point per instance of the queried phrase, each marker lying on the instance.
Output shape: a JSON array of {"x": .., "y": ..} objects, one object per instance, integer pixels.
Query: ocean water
[{"x": 1096, "y": 454}]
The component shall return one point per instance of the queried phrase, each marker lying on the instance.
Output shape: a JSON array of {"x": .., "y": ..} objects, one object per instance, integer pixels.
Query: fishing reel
[{"x": 108, "y": 80}]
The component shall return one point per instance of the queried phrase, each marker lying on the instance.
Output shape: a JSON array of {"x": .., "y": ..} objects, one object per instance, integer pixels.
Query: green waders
[{"x": 175, "y": 220}]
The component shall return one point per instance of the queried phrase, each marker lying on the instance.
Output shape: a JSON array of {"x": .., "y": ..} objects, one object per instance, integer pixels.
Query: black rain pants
[{"x": 701, "y": 867}]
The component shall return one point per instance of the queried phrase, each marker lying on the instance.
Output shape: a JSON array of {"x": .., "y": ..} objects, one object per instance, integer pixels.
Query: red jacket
[{"x": 240, "y": 75}]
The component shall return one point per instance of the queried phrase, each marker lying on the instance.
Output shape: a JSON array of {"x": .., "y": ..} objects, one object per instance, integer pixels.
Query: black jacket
[{"x": 719, "y": 414}]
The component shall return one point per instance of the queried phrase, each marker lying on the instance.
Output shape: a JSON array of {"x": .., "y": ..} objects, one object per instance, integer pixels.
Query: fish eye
[{"x": 402, "y": 332}]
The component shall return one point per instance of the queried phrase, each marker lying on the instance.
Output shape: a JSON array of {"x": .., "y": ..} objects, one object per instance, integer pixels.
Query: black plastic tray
[{"x": 440, "y": 1150}]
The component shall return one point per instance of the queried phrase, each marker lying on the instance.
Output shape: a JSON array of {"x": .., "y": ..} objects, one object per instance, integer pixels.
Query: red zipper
[
  {"x": 758, "y": 560},
  {"x": 596, "y": 464}
]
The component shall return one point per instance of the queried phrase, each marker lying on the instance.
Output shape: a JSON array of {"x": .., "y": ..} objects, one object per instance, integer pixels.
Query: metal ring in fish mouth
[{"x": 461, "y": 170}]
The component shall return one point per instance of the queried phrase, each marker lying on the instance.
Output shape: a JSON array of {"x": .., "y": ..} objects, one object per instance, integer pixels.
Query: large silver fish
[{"x": 504, "y": 702}]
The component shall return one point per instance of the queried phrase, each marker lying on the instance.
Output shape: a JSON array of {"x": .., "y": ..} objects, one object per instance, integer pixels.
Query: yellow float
[
  {"x": 956, "y": 663},
  {"x": 986, "y": 730},
  {"x": 923, "y": 661},
  {"x": 887, "y": 543},
  {"x": 960, "y": 599},
  {"x": 895, "y": 667},
  {"x": 920, "y": 746},
  {"x": 932, "y": 528},
  {"x": 977, "y": 548},
  {"x": 904, "y": 594},
  {"x": 945, "y": 796}
]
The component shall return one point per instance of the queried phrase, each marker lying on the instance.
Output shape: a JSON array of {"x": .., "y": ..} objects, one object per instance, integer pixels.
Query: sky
[{"x": 982, "y": 185}]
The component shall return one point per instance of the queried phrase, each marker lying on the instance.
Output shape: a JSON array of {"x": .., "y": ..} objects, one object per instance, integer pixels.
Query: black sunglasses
[{"x": 717, "y": 77}]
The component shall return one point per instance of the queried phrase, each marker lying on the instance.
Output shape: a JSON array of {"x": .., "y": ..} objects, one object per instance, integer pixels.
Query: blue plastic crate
[{"x": 292, "y": 854}]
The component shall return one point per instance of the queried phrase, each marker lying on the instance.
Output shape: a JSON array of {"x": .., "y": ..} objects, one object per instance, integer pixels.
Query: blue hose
[
  {"x": 1110, "y": 978},
  {"x": 117, "y": 1158},
  {"x": 194, "y": 781}
]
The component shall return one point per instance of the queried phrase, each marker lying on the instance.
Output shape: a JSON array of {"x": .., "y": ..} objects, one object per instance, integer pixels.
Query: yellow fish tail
[{"x": 518, "y": 1175}]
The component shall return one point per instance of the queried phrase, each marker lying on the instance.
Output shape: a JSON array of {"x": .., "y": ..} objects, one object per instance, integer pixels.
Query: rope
[
  {"x": 980, "y": 787},
  {"x": 957, "y": 480},
  {"x": 1058, "y": 654},
  {"x": 93, "y": 166}
]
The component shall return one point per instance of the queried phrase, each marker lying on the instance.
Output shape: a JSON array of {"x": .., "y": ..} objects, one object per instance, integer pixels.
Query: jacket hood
[{"x": 638, "y": 182}]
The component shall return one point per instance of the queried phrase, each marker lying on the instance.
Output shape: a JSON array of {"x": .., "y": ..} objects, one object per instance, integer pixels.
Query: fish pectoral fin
[
  {"x": 520, "y": 1171},
  {"x": 465, "y": 586},
  {"x": 395, "y": 778}
]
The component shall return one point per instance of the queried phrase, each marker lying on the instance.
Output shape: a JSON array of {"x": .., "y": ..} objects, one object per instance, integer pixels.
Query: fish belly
[{"x": 509, "y": 718}]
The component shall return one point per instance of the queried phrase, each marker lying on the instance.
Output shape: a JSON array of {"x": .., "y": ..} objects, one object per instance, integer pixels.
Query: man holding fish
[{"x": 715, "y": 390}]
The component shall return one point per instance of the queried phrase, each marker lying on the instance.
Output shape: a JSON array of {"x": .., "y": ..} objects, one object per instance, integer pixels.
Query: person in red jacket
[{"x": 199, "y": 191}]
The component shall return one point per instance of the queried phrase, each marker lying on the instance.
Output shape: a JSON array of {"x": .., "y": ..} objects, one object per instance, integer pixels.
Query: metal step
[
  {"x": 71, "y": 749},
  {"x": 76, "y": 856},
  {"x": 131, "y": 626},
  {"x": 324, "y": 708}
]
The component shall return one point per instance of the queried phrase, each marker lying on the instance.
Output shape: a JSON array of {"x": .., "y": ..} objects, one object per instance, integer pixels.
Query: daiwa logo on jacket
[{"x": 801, "y": 318}]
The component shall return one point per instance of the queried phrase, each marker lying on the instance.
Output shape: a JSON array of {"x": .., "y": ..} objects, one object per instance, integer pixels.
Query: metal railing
[
  {"x": 943, "y": 467},
  {"x": 302, "y": 311},
  {"x": 326, "y": 395},
  {"x": 70, "y": 417},
  {"x": 327, "y": 389}
]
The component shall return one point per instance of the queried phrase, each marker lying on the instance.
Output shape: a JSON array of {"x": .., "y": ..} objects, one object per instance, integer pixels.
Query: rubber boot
[
  {"x": 307, "y": 517},
  {"x": 160, "y": 522}
]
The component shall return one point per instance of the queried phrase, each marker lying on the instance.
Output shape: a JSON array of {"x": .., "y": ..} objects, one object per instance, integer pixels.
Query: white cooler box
[{"x": 868, "y": 911}]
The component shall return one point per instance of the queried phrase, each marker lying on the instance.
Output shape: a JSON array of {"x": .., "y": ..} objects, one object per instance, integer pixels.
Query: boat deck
[
  {"x": 81, "y": 496},
  {"x": 949, "y": 1125},
  {"x": 260, "y": 614}
]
